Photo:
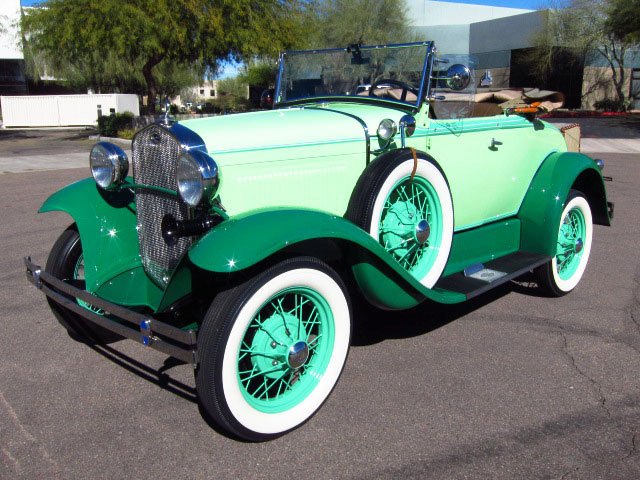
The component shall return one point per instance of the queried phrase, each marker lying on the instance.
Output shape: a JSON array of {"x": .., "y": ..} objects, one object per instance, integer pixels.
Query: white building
[{"x": 12, "y": 79}]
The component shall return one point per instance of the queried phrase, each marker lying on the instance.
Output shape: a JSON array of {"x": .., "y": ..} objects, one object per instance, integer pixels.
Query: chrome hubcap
[
  {"x": 298, "y": 354},
  {"x": 422, "y": 232}
]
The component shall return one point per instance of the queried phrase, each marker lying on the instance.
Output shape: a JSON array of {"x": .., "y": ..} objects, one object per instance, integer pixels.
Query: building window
[
  {"x": 212, "y": 93},
  {"x": 202, "y": 91}
]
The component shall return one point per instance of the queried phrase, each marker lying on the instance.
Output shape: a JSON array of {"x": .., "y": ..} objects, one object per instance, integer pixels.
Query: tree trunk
[{"x": 152, "y": 89}]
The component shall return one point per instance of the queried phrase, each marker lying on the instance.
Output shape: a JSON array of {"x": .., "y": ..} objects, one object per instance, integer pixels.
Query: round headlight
[
  {"x": 387, "y": 129},
  {"x": 109, "y": 164},
  {"x": 197, "y": 176}
]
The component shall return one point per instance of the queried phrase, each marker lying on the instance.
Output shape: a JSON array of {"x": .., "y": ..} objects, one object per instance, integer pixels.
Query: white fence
[{"x": 64, "y": 110}]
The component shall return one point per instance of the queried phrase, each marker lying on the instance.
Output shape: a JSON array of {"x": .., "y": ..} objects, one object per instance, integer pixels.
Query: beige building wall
[{"x": 597, "y": 84}]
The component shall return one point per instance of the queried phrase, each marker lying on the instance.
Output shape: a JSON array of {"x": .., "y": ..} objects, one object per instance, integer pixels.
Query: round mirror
[{"x": 458, "y": 77}]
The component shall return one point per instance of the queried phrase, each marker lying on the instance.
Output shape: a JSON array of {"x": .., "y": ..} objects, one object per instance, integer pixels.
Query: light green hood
[{"x": 289, "y": 128}]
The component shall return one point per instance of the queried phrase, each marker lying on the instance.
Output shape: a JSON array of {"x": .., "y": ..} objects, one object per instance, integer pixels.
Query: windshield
[{"x": 392, "y": 73}]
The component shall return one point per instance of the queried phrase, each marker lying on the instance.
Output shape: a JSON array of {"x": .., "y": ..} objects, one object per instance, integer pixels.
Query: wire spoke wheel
[
  {"x": 570, "y": 243},
  {"x": 563, "y": 272},
  {"x": 406, "y": 205},
  {"x": 285, "y": 350},
  {"x": 272, "y": 348},
  {"x": 410, "y": 225}
]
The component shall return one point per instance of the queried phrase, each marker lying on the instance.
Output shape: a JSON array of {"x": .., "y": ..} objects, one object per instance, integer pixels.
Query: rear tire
[
  {"x": 66, "y": 262},
  {"x": 563, "y": 272}
]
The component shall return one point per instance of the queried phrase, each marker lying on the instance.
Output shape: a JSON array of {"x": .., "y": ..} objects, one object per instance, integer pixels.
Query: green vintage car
[{"x": 237, "y": 240}]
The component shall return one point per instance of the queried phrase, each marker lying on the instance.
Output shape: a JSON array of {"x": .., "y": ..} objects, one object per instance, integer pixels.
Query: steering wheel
[{"x": 390, "y": 81}]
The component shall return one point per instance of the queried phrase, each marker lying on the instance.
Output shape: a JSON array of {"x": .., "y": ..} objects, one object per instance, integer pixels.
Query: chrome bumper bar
[{"x": 136, "y": 326}]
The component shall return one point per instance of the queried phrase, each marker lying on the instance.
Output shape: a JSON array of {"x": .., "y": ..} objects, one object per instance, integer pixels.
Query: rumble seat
[{"x": 486, "y": 103}]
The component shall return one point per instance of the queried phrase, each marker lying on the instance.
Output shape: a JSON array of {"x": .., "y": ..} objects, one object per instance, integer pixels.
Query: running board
[{"x": 479, "y": 278}]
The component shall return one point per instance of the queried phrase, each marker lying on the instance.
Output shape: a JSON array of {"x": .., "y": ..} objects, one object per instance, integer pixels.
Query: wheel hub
[
  {"x": 422, "y": 231},
  {"x": 298, "y": 354},
  {"x": 281, "y": 344}
]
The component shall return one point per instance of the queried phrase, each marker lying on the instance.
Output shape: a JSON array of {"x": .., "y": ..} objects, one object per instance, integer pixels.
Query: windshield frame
[{"x": 425, "y": 84}]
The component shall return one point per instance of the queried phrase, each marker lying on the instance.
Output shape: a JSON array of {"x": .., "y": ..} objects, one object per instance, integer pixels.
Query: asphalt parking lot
[{"x": 512, "y": 385}]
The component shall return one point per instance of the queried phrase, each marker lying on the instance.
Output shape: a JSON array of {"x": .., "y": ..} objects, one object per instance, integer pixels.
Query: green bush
[
  {"x": 610, "y": 105},
  {"x": 127, "y": 133},
  {"x": 108, "y": 125}
]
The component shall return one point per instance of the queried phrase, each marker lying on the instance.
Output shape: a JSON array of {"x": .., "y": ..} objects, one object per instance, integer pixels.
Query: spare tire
[{"x": 404, "y": 202}]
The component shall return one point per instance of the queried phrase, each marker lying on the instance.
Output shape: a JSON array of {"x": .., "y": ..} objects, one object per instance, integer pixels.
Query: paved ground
[
  {"x": 512, "y": 385},
  {"x": 34, "y": 149}
]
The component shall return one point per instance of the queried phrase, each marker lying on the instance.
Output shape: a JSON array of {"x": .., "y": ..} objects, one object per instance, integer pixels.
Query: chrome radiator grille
[{"x": 155, "y": 155}]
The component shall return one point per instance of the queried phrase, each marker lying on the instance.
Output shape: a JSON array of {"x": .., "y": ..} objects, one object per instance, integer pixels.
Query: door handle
[{"x": 494, "y": 144}]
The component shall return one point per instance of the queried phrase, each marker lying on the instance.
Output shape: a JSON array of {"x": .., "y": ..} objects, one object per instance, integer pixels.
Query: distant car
[
  {"x": 266, "y": 98},
  {"x": 237, "y": 241}
]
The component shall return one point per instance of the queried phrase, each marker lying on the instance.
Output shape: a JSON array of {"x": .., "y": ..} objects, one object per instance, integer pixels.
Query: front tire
[
  {"x": 563, "y": 272},
  {"x": 273, "y": 348},
  {"x": 66, "y": 262}
]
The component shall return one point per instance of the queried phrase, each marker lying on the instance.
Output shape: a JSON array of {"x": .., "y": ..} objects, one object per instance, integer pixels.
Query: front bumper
[{"x": 153, "y": 333}]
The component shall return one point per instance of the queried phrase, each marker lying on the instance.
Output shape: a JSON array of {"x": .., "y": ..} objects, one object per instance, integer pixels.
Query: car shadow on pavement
[
  {"x": 372, "y": 325},
  {"x": 158, "y": 376}
]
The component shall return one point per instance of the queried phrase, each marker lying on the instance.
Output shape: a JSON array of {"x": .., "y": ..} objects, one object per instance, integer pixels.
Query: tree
[
  {"x": 339, "y": 23},
  {"x": 260, "y": 73},
  {"x": 582, "y": 27},
  {"x": 141, "y": 34},
  {"x": 624, "y": 19}
]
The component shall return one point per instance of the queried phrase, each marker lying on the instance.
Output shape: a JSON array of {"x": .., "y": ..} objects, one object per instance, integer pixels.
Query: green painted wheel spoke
[
  {"x": 266, "y": 392},
  {"x": 270, "y": 335},
  {"x": 253, "y": 369},
  {"x": 274, "y": 369},
  {"x": 266, "y": 381},
  {"x": 396, "y": 231},
  {"x": 413, "y": 245},
  {"x": 262, "y": 354}
]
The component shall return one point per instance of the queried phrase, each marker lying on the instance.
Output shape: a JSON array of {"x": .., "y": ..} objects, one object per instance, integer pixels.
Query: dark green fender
[
  {"x": 543, "y": 204},
  {"x": 106, "y": 221},
  {"x": 249, "y": 238}
]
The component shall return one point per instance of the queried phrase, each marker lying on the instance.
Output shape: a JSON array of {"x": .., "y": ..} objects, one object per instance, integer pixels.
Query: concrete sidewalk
[
  {"x": 34, "y": 163},
  {"x": 610, "y": 145}
]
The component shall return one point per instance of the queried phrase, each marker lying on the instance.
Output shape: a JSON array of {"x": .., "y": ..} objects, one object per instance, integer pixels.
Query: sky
[{"x": 530, "y": 4}]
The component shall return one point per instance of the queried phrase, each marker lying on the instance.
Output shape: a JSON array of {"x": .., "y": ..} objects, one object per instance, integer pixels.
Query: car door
[{"x": 489, "y": 163}]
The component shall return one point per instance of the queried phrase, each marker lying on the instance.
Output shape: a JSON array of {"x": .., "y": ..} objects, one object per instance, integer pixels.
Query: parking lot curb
[{"x": 100, "y": 138}]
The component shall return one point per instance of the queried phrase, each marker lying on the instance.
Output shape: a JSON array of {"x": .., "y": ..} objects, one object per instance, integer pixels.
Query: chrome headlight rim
[
  {"x": 197, "y": 177},
  {"x": 387, "y": 129},
  {"x": 109, "y": 164}
]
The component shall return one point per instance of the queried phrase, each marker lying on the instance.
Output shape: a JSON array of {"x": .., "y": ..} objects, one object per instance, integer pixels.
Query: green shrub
[
  {"x": 127, "y": 133},
  {"x": 109, "y": 125},
  {"x": 610, "y": 105}
]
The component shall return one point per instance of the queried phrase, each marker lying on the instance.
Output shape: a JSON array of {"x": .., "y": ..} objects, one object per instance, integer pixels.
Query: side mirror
[{"x": 458, "y": 77}]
